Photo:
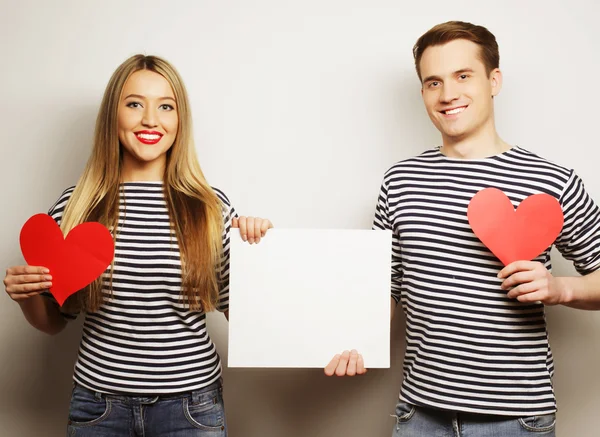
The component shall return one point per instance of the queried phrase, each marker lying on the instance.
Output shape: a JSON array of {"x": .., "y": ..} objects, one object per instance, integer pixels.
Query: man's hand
[
  {"x": 530, "y": 281},
  {"x": 348, "y": 363}
]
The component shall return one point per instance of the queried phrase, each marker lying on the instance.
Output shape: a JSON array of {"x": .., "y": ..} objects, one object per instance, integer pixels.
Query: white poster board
[{"x": 300, "y": 296}]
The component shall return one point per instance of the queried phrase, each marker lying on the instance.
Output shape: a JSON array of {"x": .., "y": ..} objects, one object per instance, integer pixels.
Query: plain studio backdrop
[{"x": 299, "y": 107}]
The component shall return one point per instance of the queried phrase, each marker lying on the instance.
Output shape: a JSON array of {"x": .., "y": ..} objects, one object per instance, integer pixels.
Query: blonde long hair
[{"x": 194, "y": 208}]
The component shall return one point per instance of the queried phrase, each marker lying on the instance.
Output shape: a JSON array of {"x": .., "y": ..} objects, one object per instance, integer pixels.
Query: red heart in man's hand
[
  {"x": 515, "y": 235},
  {"x": 74, "y": 261}
]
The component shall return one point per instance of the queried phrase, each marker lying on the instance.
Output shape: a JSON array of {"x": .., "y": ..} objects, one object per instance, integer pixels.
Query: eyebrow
[
  {"x": 456, "y": 73},
  {"x": 142, "y": 97}
]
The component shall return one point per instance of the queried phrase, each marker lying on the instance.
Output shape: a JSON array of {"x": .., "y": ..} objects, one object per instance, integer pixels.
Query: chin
[{"x": 455, "y": 136}]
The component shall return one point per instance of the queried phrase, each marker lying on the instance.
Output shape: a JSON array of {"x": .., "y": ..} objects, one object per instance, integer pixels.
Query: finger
[
  {"x": 23, "y": 296},
  {"x": 257, "y": 232},
  {"x": 26, "y": 270},
  {"x": 352, "y": 363},
  {"x": 250, "y": 228},
  {"x": 343, "y": 364},
  {"x": 518, "y": 278},
  {"x": 28, "y": 288},
  {"x": 529, "y": 287},
  {"x": 265, "y": 225},
  {"x": 536, "y": 296},
  {"x": 27, "y": 279},
  {"x": 243, "y": 228},
  {"x": 330, "y": 368},
  {"x": 234, "y": 223},
  {"x": 514, "y": 267},
  {"x": 360, "y": 365}
]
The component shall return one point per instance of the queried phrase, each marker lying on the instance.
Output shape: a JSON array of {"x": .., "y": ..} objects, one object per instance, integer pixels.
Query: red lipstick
[{"x": 148, "y": 136}]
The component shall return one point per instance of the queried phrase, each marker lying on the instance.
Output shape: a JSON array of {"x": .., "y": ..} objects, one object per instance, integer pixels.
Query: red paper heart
[
  {"x": 515, "y": 235},
  {"x": 74, "y": 261}
]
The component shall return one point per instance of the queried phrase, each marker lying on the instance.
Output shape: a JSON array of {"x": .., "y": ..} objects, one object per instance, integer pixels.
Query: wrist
[{"x": 567, "y": 286}]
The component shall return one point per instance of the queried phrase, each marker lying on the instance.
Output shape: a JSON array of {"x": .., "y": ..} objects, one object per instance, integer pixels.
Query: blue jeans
[
  {"x": 196, "y": 414},
  {"x": 414, "y": 421}
]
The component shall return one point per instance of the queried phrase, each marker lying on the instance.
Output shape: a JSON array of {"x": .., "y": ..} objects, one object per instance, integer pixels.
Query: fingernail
[
  {"x": 46, "y": 271},
  {"x": 245, "y": 237},
  {"x": 353, "y": 351},
  {"x": 47, "y": 278},
  {"x": 251, "y": 240}
]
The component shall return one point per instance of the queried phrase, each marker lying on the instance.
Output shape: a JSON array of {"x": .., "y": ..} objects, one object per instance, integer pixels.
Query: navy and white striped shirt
[
  {"x": 144, "y": 340},
  {"x": 468, "y": 346}
]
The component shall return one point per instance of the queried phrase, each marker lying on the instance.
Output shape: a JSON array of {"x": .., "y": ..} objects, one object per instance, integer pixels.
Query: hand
[
  {"x": 349, "y": 363},
  {"x": 22, "y": 282},
  {"x": 530, "y": 281},
  {"x": 252, "y": 229}
]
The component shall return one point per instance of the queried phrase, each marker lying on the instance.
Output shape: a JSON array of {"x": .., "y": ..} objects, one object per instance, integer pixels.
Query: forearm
[
  {"x": 43, "y": 315},
  {"x": 393, "y": 305},
  {"x": 582, "y": 292}
]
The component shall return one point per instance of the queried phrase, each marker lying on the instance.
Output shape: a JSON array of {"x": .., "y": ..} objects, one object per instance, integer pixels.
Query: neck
[
  {"x": 133, "y": 170},
  {"x": 481, "y": 144}
]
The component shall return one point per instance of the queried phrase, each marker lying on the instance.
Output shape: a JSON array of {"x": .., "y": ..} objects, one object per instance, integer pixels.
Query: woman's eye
[{"x": 134, "y": 105}]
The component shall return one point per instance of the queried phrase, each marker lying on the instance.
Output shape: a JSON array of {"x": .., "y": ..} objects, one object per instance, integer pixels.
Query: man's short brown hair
[{"x": 451, "y": 30}]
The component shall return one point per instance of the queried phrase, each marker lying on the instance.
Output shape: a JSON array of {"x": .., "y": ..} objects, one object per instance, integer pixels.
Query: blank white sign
[{"x": 300, "y": 296}]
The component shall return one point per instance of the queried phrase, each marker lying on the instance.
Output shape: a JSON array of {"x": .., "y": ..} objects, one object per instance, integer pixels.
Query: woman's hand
[
  {"x": 23, "y": 282},
  {"x": 252, "y": 229}
]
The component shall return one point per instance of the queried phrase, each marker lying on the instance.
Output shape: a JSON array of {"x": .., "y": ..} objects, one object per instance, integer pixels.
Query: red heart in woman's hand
[{"x": 74, "y": 261}]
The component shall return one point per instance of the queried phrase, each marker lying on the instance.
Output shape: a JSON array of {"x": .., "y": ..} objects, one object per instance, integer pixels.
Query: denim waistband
[{"x": 200, "y": 395}]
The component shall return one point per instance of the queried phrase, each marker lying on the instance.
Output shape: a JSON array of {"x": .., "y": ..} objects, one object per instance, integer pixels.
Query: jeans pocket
[
  {"x": 208, "y": 415},
  {"x": 543, "y": 423},
  {"x": 87, "y": 410},
  {"x": 404, "y": 412}
]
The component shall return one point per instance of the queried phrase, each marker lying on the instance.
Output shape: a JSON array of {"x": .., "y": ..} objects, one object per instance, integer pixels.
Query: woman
[{"x": 146, "y": 365}]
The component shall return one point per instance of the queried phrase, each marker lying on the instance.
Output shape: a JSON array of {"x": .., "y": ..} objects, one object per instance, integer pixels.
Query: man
[{"x": 477, "y": 359}]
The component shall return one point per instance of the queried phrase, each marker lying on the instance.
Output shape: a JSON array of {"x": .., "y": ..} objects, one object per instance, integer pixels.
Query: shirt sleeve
[
  {"x": 382, "y": 222},
  {"x": 56, "y": 212},
  {"x": 579, "y": 239},
  {"x": 229, "y": 214}
]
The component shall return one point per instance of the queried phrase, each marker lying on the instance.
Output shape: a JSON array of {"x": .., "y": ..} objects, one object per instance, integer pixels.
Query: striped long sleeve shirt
[
  {"x": 468, "y": 346},
  {"x": 144, "y": 340}
]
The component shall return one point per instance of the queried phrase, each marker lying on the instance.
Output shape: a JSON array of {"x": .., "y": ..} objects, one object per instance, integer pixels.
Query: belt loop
[
  {"x": 152, "y": 400},
  {"x": 98, "y": 395}
]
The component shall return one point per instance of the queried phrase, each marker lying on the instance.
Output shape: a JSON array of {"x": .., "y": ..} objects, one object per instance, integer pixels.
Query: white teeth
[
  {"x": 454, "y": 111},
  {"x": 149, "y": 137}
]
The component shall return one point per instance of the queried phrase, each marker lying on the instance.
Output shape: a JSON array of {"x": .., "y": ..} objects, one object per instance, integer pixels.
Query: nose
[
  {"x": 449, "y": 93},
  {"x": 150, "y": 118}
]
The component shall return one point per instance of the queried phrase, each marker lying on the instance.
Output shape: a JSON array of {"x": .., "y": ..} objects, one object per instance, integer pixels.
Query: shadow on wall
[
  {"x": 37, "y": 386},
  {"x": 304, "y": 402},
  {"x": 574, "y": 337},
  {"x": 36, "y": 377}
]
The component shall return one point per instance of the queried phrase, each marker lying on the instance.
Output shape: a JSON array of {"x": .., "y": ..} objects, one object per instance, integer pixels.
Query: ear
[{"x": 496, "y": 81}]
